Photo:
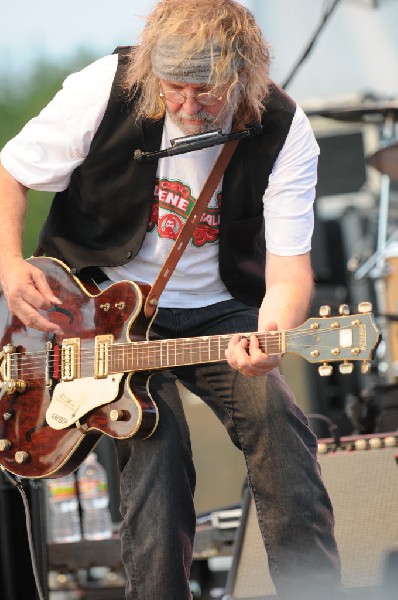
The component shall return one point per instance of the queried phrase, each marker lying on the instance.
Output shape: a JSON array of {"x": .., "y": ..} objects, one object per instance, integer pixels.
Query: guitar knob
[
  {"x": 361, "y": 444},
  {"x": 390, "y": 441},
  {"x": 116, "y": 415},
  {"x": 365, "y": 307},
  {"x": 375, "y": 443},
  {"x": 5, "y": 445},
  {"x": 325, "y": 370},
  {"x": 346, "y": 368},
  {"x": 344, "y": 309},
  {"x": 21, "y": 457},
  {"x": 325, "y": 311}
]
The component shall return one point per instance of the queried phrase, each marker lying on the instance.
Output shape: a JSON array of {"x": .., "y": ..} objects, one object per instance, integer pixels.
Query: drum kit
[{"x": 382, "y": 266}]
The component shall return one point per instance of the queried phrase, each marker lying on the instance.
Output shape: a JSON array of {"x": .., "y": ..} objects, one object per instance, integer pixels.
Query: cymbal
[
  {"x": 368, "y": 112},
  {"x": 385, "y": 161}
]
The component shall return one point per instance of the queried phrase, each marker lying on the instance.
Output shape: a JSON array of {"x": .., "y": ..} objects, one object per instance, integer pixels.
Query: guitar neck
[
  {"x": 318, "y": 340},
  {"x": 160, "y": 354}
]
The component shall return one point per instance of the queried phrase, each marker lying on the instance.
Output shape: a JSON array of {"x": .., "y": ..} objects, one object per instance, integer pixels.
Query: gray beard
[
  {"x": 205, "y": 121},
  {"x": 202, "y": 122}
]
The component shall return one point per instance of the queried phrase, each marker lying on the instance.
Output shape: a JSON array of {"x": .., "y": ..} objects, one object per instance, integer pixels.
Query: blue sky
[
  {"x": 47, "y": 28},
  {"x": 357, "y": 51}
]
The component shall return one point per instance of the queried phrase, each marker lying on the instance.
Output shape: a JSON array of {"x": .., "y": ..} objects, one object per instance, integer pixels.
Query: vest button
[{"x": 129, "y": 254}]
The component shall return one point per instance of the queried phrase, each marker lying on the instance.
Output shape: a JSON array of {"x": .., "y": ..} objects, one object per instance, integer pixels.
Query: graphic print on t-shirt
[{"x": 172, "y": 204}]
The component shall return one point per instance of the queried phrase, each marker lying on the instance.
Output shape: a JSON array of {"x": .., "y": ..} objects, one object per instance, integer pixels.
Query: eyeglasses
[{"x": 203, "y": 98}]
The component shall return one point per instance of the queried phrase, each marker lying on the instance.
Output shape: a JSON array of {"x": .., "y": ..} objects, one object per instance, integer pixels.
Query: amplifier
[{"x": 362, "y": 480}]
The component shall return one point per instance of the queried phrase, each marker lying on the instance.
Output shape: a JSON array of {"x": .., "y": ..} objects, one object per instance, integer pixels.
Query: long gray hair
[{"x": 244, "y": 54}]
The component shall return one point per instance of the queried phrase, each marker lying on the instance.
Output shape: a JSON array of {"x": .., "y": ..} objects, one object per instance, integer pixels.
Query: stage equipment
[
  {"x": 384, "y": 114},
  {"x": 385, "y": 161},
  {"x": 341, "y": 167},
  {"x": 23, "y": 558},
  {"x": 374, "y": 112},
  {"x": 375, "y": 409},
  {"x": 215, "y": 538},
  {"x": 361, "y": 476},
  {"x": 390, "y": 284}
]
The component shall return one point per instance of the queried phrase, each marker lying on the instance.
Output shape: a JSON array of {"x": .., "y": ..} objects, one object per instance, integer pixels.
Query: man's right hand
[{"x": 28, "y": 294}]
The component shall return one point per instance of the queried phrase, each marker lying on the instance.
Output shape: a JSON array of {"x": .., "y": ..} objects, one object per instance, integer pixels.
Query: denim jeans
[{"x": 263, "y": 420}]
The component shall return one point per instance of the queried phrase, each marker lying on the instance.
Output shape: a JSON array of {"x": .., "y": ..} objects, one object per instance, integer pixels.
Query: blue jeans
[{"x": 263, "y": 420}]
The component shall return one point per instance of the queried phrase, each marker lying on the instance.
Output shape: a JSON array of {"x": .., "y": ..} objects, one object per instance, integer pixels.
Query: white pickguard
[{"x": 73, "y": 399}]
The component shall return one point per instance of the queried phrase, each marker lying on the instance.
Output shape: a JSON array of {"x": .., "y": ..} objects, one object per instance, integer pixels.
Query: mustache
[{"x": 199, "y": 116}]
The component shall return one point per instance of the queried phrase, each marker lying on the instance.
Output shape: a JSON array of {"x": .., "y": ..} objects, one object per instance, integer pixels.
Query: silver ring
[{"x": 31, "y": 319}]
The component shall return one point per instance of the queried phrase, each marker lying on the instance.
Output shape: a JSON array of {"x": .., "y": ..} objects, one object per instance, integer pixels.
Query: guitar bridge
[
  {"x": 9, "y": 381},
  {"x": 70, "y": 359}
]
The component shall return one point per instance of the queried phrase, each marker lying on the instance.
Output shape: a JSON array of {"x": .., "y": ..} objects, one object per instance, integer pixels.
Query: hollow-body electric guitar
[{"x": 59, "y": 395}]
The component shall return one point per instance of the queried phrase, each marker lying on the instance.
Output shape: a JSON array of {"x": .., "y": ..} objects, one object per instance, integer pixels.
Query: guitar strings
[
  {"x": 180, "y": 342},
  {"x": 189, "y": 342},
  {"x": 177, "y": 347}
]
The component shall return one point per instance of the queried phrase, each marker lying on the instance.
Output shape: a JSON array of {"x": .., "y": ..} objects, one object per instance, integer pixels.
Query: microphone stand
[
  {"x": 310, "y": 45},
  {"x": 190, "y": 143}
]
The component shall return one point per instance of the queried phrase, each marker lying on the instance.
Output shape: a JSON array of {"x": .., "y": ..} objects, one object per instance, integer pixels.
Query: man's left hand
[{"x": 245, "y": 355}]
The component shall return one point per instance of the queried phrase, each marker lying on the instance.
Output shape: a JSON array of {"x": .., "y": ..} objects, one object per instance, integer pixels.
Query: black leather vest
[{"x": 101, "y": 218}]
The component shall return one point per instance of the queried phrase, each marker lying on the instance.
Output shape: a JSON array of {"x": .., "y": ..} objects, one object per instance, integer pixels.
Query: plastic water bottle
[
  {"x": 94, "y": 499},
  {"x": 64, "y": 509}
]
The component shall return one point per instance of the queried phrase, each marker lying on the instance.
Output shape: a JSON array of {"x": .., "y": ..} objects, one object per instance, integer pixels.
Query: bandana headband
[{"x": 169, "y": 62}]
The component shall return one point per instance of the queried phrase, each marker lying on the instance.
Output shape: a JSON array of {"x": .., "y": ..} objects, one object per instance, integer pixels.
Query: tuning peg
[
  {"x": 366, "y": 367},
  {"x": 325, "y": 311},
  {"x": 344, "y": 309},
  {"x": 346, "y": 368},
  {"x": 365, "y": 307},
  {"x": 325, "y": 370}
]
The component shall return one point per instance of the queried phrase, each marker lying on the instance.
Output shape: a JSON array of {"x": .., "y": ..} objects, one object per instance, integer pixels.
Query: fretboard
[{"x": 160, "y": 354}]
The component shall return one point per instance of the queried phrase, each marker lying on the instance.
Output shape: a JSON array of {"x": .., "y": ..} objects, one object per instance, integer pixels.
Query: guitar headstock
[{"x": 344, "y": 338}]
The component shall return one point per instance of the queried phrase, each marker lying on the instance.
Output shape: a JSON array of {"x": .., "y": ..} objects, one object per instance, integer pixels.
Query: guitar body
[
  {"x": 60, "y": 393},
  {"x": 29, "y": 446}
]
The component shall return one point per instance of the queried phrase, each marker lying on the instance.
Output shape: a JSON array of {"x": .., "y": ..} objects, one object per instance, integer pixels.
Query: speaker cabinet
[
  {"x": 341, "y": 167},
  {"x": 362, "y": 480}
]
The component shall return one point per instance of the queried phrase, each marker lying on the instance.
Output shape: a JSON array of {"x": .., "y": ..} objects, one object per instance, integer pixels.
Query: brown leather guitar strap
[{"x": 186, "y": 232}]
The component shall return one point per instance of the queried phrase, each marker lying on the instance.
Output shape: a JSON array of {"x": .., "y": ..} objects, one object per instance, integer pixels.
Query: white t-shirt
[{"x": 48, "y": 149}]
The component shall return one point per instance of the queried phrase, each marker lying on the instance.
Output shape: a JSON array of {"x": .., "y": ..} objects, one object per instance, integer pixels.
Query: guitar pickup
[
  {"x": 70, "y": 359},
  {"x": 102, "y": 355}
]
